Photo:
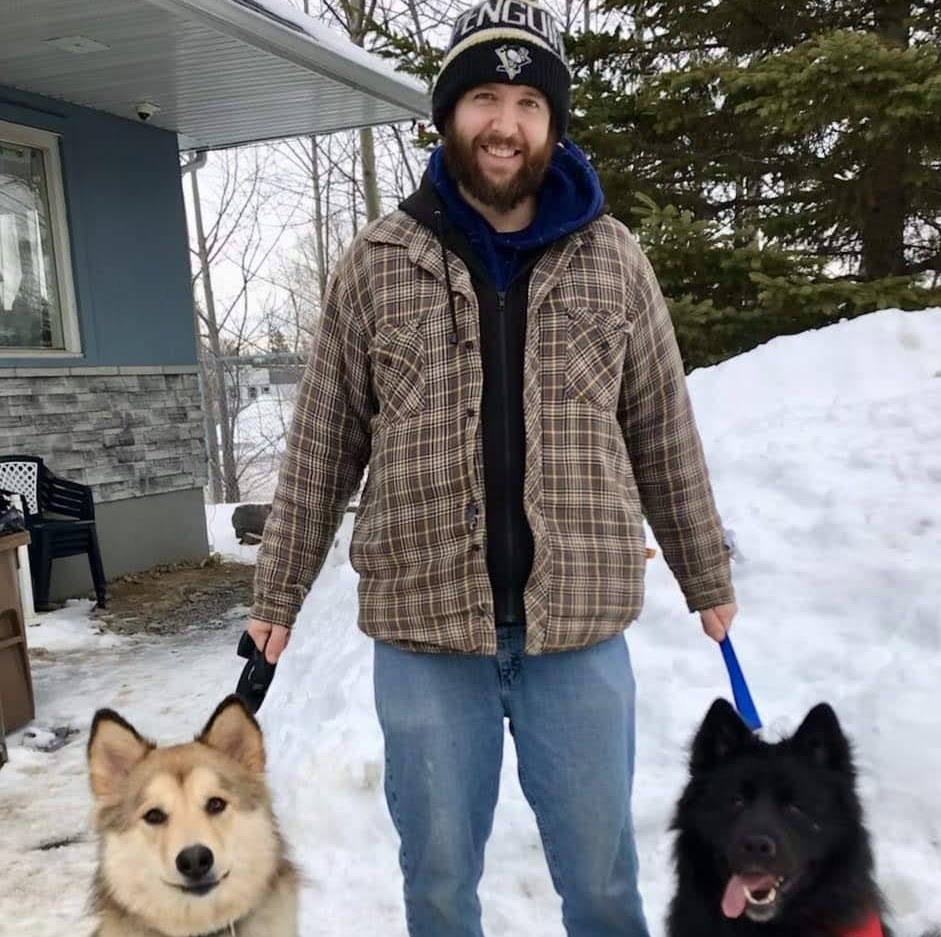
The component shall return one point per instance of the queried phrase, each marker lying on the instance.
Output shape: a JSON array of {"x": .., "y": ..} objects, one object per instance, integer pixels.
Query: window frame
[{"x": 49, "y": 143}]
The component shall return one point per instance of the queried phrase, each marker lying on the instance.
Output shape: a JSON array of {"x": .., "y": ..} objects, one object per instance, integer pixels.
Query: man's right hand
[{"x": 272, "y": 639}]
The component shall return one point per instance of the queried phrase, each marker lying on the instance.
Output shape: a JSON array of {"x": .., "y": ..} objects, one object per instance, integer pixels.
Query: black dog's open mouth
[{"x": 756, "y": 895}]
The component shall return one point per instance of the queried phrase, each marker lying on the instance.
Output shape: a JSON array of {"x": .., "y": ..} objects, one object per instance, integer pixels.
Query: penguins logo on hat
[{"x": 512, "y": 60}]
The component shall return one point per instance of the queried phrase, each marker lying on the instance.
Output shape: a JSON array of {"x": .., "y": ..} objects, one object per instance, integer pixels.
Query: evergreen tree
[
  {"x": 779, "y": 162},
  {"x": 788, "y": 153}
]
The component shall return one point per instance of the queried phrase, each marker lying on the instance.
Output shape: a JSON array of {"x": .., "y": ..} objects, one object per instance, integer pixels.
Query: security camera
[{"x": 145, "y": 110}]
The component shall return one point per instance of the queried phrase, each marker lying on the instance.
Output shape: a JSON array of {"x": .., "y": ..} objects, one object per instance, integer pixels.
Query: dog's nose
[
  {"x": 759, "y": 846},
  {"x": 194, "y": 861}
]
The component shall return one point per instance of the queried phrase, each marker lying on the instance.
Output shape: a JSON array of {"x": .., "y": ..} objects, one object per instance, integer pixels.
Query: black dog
[{"x": 771, "y": 840}]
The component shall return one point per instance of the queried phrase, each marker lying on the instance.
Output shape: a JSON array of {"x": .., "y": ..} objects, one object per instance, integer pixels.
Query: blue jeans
[{"x": 572, "y": 719}]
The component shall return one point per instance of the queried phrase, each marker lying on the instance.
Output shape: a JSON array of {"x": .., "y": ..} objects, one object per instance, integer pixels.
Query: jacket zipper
[{"x": 505, "y": 434}]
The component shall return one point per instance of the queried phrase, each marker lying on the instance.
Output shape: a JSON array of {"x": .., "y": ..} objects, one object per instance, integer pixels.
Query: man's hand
[
  {"x": 272, "y": 639},
  {"x": 717, "y": 621}
]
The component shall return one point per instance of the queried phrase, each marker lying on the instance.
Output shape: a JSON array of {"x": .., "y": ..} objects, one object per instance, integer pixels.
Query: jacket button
[
  {"x": 476, "y": 548},
  {"x": 471, "y": 516},
  {"x": 471, "y": 411},
  {"x": 469, "y": 345}
]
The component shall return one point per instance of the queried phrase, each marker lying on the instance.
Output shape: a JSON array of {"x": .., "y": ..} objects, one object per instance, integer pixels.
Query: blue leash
[{"x": 740, "y": 693}]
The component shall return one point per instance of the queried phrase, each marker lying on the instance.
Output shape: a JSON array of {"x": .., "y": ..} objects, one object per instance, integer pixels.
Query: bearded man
[{"x": 499, "y": 354}]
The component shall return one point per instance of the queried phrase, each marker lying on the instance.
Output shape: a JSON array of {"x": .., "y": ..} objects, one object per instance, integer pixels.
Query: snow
[
  {"x": 262, "y": 424},
  {"x": 69, "y": 629},
  {"x": 260, "y": 436},
  {"x": 322, "y": 35},
  {"x": 825, "y": 451}
]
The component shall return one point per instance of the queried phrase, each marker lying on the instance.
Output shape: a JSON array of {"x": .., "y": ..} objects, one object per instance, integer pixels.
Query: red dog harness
[{"x": 871, "y": 927}]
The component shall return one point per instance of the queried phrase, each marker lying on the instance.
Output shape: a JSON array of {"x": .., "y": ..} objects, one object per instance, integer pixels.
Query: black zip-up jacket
[{"x": 502, "y": 340}]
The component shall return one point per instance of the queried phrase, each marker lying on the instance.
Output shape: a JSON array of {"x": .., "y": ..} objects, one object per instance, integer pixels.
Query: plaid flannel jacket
[{"x": 610, "y": 439}]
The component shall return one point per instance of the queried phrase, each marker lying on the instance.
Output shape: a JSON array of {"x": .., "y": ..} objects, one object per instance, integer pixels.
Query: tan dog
[{"x": 189, "y": 846}]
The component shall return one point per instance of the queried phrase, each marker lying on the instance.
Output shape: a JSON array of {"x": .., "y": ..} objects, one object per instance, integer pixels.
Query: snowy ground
[
  {"x": 259, "y": 441},
  {"x": 825, "y": 450}
]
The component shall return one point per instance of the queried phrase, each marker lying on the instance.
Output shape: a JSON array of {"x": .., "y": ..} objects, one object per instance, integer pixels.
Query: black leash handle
[{"x": 256, "y": 676}]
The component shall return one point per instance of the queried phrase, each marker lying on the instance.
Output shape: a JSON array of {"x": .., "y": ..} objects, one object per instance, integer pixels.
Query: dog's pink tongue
[{"x": 734, "y": 899}]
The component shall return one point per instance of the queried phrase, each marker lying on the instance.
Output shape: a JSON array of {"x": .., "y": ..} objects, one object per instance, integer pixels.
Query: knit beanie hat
[{"x": 508, "y": 42}]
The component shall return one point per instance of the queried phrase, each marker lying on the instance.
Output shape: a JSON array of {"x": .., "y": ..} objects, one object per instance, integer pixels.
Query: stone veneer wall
[{"x": 127, "y": 431}]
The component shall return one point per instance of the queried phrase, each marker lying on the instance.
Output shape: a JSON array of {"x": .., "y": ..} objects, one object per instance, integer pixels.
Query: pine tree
[{"x": 779, "y": 161}]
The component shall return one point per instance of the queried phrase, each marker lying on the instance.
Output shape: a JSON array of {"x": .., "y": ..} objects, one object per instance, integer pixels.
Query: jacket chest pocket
[
  {"x": 398, "y": 365},
  {"x": 595, "y": 351}
]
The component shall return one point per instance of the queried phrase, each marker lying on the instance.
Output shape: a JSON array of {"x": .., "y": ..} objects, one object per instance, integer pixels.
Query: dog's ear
[
  {"x": 820, "y": 740},
  {"x": 232, "y": 730},
  {"x": 114, "y": 749},
  {"x": 721, "y": 736}
]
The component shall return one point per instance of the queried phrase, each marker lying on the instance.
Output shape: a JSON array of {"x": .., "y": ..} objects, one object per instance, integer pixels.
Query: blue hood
[{"x": 570, "y": 198}]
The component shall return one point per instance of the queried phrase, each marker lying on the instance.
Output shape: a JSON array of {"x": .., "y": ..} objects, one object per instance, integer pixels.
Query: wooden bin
[{"x": 17, "y": 706}]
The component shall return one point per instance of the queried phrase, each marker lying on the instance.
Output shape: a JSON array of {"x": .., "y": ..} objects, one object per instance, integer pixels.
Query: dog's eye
[
  {"x": 738, "y": 801},
  {"x": 215, "y": 805},
  {"x": 794, "y": 809},
  {"x": 155, "y": 817}
]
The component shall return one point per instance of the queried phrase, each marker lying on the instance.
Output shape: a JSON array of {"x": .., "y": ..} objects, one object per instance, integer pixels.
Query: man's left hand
[{"x": 717, "y": 621}]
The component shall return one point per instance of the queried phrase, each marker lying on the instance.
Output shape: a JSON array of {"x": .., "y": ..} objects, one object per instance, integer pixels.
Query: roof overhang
[{"x": 219, "y": 72}]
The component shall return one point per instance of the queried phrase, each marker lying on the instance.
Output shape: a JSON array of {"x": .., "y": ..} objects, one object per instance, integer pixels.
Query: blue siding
[{"x": 127, "y": 226}]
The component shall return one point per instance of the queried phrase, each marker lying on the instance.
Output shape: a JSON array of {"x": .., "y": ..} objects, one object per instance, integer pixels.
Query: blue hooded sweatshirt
[{"x": 570, "y": 198}]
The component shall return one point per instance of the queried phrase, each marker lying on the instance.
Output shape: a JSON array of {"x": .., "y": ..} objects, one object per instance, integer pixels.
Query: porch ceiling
[{"x": 222, "y": 72}]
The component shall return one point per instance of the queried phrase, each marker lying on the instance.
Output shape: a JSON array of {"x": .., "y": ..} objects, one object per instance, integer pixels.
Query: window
[{"x": 37, "y": 305}]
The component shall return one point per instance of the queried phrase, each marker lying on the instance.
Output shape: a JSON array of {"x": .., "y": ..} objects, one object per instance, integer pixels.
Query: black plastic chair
[{"x": 60, "y": 518}]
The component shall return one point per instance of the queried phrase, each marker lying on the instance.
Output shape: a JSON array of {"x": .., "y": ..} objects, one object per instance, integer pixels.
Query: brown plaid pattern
[{"x": 610, "y": 437}]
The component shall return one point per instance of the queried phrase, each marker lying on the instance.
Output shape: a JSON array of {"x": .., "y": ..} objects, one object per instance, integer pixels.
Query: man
[{"x": 500, "y": 355}]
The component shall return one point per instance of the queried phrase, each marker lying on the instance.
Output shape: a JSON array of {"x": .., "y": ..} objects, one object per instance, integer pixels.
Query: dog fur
[
  {"x": 771, "y": 838},
  {"x": 188, "y": 842}
]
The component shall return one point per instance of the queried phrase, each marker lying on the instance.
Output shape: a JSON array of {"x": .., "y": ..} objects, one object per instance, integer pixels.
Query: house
[
  {"x": 98, "y": 361},
  {"x": 255, "y": 383}
]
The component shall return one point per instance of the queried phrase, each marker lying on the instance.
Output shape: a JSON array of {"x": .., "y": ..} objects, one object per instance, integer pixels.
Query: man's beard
[{"x": 460, "y": 158}]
